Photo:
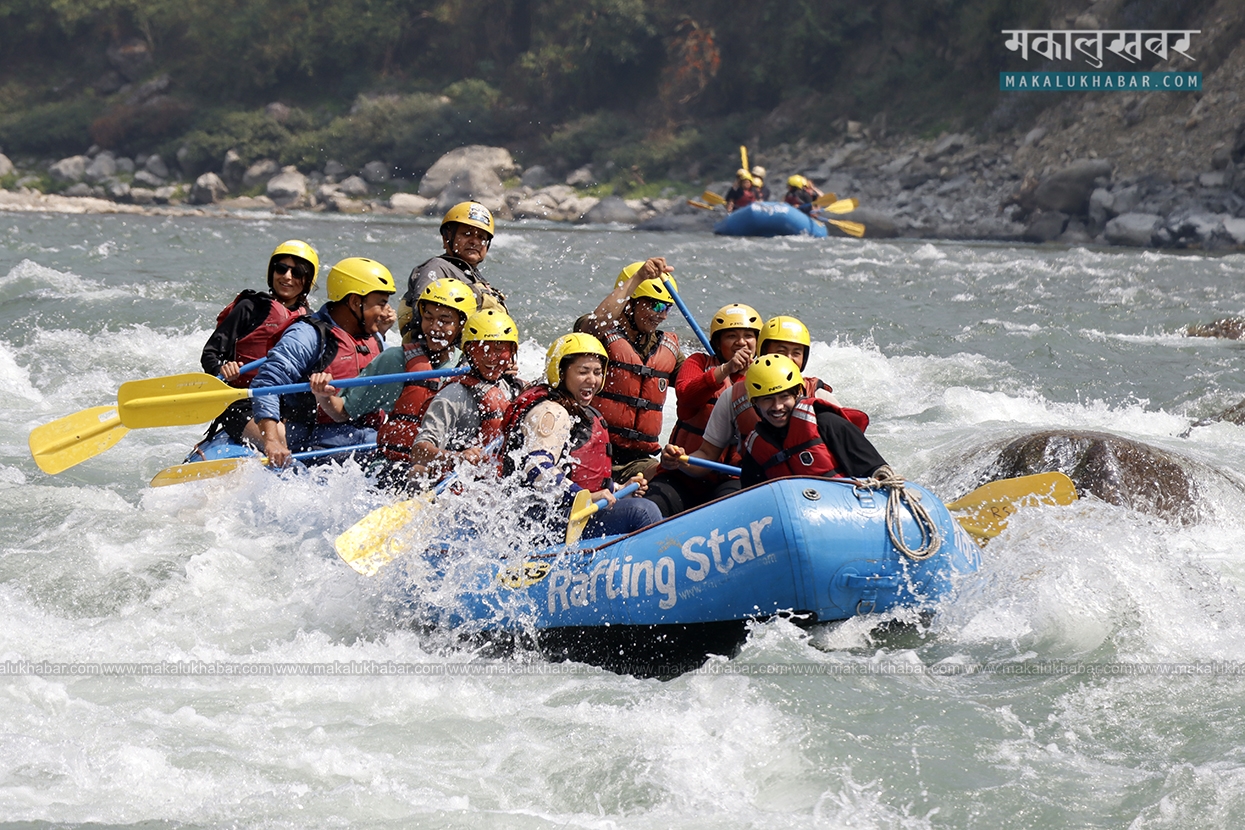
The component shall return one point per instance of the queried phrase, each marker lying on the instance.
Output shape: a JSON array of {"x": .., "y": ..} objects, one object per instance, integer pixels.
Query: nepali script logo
[{"x": 1131, "y": 45}]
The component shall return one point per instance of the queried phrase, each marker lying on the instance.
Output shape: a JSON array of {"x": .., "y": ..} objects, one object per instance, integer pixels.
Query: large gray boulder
[
  {"x": 1045, "y": 225},
  {"x": 1068, "y": 190},
  {"x": 376, "y": 172},
  {"x": 103, "y": 166},
  {"x": 412, "y": 204},
  {"x": 260, "y": 172},
  {"x": 71, "y": 169},
  {"x": 536, "y": 177},
  {"x": 354, "y": 187},
  {"x": 479, "y": 183},
  {"x": 145, "y": 178},
  {"x": 156, "y": 166},
  {"x": 208, "y": 189},
  {"x": 611, "y": 210},
  {"x": 232, "y": 169},
  {"x": 6, "y": 166},
  {"x": 288, "y": 188},
  {"x": 1233, "y": 228},
  {"x": 476, "y": 160},
  {"x": 1135, "y": 229},
  {"x": 878, "y": 225},
  {"x": 1117, "y": 470}
]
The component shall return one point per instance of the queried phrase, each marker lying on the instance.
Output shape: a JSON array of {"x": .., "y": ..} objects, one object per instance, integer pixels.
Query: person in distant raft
[
  {"x": 801, "y": 194},
  {"x": 344, "y": 336},
  {"x": 742, "y": 194},
  {"x": 467, "y": 234},
  {"x": 555, "y": 444},
  {"x": 797, "y": 435},
  {"x": 249, "y": 326},
  {"x": 466, "y": 416},
  {"x": 642, "y": 361},
  {"x": 442, "y": 310},
  {"x": 701, "y": 380},
  {"x": 759, "y": 186}
]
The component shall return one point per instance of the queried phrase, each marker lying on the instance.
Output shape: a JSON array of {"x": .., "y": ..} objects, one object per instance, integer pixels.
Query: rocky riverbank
[{"x": 1152, "y": 170}]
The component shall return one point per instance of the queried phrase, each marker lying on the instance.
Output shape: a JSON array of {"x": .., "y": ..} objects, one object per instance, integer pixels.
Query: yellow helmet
[
  {"x": 301, "y": 250},
  {"x": 783, "y": 328},
  {"x": 742, "y": 173},
  {"x": 653, "y": 289},
  {"x": 490, "y": 325},
  {"x": 797, "y": 181},
  {"x": 450, "y": 293},
  {"x": 735, "y": 316},
  {"x": 770, "y": 374},
  {"x": 358, "y": 275},
  {"x": 566, "y": 346},
  {"x": 470, "y": 213}
]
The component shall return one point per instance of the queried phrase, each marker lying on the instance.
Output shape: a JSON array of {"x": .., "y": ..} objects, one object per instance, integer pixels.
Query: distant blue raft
[{"x": 769, "y": 219}]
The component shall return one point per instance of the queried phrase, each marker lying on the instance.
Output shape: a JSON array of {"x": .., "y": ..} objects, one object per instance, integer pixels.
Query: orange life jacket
[
  {"x": 635, "y": 390},
  {"x": 396, "y": 436},
  {"x": 492, "y": 401}
]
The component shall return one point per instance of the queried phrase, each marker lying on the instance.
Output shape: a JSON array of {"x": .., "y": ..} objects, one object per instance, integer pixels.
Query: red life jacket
[
  {"x": 689, "y": 433},
  {"x": 492, "y": 402},
  {"x": 803, "y": 453},
  {"x": 255, "y": 344},
  {"x": 396, "y": 436},
  {"x": 635, "y": 390},
  {"x": 746, "y": 198},
  {"x": 343, "y": 356},
  {"x": 746, "y": 416},
  {"x": 588, "y": 453}
]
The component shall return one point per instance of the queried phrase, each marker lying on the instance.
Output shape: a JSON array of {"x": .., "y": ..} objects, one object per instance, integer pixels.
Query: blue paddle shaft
[
  {"x": 303, "y": 456},
  {"x": 601, "y": 504},
  {"x": 691, "y": 321},
  {"x": 374, "y": 380},
  {"x": 716, "y": 466},
  {"x": 254, "y": 364}
]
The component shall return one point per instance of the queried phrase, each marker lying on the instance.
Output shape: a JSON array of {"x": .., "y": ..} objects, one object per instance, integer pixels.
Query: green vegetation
[{"x": 654, "y": 86}]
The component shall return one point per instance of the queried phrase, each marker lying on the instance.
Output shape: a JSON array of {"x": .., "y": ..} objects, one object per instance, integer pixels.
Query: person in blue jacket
[{"x": 339, "y": 340}]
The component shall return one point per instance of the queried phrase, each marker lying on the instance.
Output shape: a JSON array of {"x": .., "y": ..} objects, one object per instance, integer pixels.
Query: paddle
[
  {"x": 179, "y": 400},
  {"x": 366, "y": 545},
  {"x": 990, "y": 505},
  {"x": 716, "y": 466},
  {"x": 60, "y": 444},
  {"x": 840, "y": 206},
  {"x": 199, "y": 470},
  {"x": 850, "y": 228},
  {"x": 583, "y": 508},
  {"x": 743, "y": 157},
  {"x": 713, "y": 198},
  {"x": 691, "y": 321},
  {"x": 826, "y": 199},
  {"x": 700, "y": 205}
]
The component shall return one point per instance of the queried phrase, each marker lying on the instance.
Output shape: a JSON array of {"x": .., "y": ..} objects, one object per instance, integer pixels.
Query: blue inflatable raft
[
  {"x": 769, "y": 219},
  {"x": 815, "y": 549}
]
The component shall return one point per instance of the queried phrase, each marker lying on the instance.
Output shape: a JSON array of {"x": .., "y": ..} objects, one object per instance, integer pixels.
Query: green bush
[
  {"x": 254, "y": 135},
  {"x": 55, "y": 128}
]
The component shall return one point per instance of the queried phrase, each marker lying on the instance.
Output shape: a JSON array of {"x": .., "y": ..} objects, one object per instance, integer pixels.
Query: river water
[{"x": 1086, "y": 677}]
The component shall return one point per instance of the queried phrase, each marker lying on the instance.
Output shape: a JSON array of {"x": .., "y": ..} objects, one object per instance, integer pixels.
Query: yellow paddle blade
[
  {"x": 60, "y": 444},
  {"x": 825, "y": 199},
  {"x": 712, "y": 198},
  {"x": 370, "y": 543},
  {"x": 175, "y": 400},
  {"x": 581, "y": 511},
  {"x": 842, "y": 206},
  {"x": 197, "y": 471},
  {"x": 700, "y": 205},
  {"x": 850, "y": 228},
  {"x": 743, "y": 157},
  {"x": 989, "y": 506}
]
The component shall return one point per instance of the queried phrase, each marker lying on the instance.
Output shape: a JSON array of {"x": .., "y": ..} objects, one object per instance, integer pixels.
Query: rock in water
[
  {"x": 1117, "y": 470},
  {"x": 1229, "y": 328}
]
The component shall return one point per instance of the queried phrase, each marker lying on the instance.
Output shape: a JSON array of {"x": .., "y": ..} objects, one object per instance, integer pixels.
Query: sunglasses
[
  {"x": 660, "y": 307},
  {"x": 281, "y": 269}
]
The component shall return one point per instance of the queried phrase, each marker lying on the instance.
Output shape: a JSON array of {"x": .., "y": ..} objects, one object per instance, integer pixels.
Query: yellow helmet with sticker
[
  {"x": 470, "y": 213},
  {"x": 735, "y": 316},
  {"x": 770, "y": 374},
  {"x": 569, "y": 345}
]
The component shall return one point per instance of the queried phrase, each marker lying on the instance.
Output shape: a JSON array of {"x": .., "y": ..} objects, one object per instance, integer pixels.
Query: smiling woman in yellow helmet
[
  {"x": 249, "y": 326},
  {"x": 467, "y": 231},
  {"x": 555, "y": 444},
  {"x": 643, "y": 362}
]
